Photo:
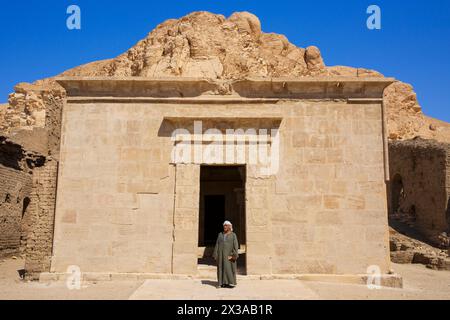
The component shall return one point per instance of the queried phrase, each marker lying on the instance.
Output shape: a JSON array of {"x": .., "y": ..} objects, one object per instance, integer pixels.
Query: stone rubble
[{"x": 406, "y": 250}]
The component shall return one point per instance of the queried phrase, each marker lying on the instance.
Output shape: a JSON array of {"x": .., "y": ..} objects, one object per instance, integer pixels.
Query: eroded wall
[
  {"x": 41, "y": 215},
  {"x": 419, "y": 190},
  {"x": 34, "y": 111},
  {"x": 30, "y": 128},
  {"x": 15, "y": 189}
]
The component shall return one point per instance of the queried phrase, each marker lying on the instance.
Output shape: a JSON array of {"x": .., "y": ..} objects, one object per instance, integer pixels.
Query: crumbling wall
[
  {"x": 15, "y": 187},
  {"x": 40, "y": 240},
  {"x": 418, "y": 190},
  {"x": 30, "y": 126},
  {"x": 35, "y": 108}
]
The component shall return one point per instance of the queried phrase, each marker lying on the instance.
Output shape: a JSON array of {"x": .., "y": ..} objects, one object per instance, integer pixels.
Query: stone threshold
[{"x": 386, "y": 280}]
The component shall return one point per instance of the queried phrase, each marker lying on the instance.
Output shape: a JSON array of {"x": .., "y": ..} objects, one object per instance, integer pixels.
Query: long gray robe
[{"x": 226, "y": 270}]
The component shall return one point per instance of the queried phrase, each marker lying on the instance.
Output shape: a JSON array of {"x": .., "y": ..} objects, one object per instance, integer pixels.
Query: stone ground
[{"x": 419, "y": 283}]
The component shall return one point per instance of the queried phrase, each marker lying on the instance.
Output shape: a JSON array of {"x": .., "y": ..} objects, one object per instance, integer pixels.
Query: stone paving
[
  {"x": 419, "y": 283},
  {"x": 206, "y": 290}
]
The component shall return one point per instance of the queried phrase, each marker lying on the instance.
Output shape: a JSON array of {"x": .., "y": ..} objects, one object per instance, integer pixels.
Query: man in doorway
[{"x": 226, "y": 254}]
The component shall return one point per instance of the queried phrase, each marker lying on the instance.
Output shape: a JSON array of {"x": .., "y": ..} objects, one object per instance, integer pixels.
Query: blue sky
[{"x": 413, "y": 44}]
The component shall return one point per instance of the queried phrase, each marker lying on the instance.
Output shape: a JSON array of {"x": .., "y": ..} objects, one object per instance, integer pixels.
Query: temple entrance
[{"x": 222, "y": 197}]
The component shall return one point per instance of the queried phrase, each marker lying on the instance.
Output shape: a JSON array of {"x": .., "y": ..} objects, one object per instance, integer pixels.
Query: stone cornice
[{"x": 270, "y": 88}]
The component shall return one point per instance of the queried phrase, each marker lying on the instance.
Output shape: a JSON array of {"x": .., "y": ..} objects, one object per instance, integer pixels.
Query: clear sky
[{"x": 413, "y": 43}]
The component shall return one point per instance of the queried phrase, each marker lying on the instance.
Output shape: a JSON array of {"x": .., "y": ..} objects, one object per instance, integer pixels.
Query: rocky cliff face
[{"x": 211, "y": 46}]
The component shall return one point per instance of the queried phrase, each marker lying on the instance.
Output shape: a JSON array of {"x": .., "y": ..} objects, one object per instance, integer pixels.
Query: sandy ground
[
  {"x": 419, "y": 283},
  {"x": 13, "y": 288}
]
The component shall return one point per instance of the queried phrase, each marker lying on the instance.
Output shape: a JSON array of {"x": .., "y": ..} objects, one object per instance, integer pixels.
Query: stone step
[
  {"x": 207, "y": 272},
  {"x": 207, "y": 275}
]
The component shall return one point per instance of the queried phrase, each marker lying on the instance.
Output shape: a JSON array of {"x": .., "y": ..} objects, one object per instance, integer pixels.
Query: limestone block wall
[
  {"x": 260, "y": 206},
  {"x": 42, "y": 210},
  {"x": 420, "y": 168},
  {"x": 328, "y": 202},
  {"x": 123, "y": 205},
  {"x": 115, "y": 204},
  {"x": 186, "y": 219}
]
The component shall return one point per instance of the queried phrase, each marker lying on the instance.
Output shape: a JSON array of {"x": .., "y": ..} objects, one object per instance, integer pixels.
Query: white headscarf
[{"x": 229, "y": 224}]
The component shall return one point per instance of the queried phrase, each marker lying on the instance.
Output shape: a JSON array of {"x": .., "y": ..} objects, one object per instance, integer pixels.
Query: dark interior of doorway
[
  {"x": 214, "y": 213},
  {"x": 222, "y": 197}
]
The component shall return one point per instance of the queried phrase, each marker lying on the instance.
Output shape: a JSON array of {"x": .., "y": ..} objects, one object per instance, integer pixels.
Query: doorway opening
[
  {"x": 222, "y": 197},
  {"x": 398, "y": 194}
]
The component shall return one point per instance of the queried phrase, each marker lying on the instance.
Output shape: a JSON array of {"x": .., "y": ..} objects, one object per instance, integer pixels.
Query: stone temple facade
[
  {"x": 148, "y": 171},
  {"x": 127, "y": 167}
]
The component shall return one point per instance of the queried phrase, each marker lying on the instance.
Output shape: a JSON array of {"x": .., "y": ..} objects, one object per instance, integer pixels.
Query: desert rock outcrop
[{"x": 211, "y": 46}]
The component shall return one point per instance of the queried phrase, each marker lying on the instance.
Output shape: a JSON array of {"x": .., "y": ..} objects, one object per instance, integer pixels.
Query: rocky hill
[{"x": 212, "y": 46}]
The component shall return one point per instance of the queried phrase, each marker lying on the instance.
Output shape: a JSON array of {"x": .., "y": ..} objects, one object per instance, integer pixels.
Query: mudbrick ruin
[{"x": 85, "y": 165}]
